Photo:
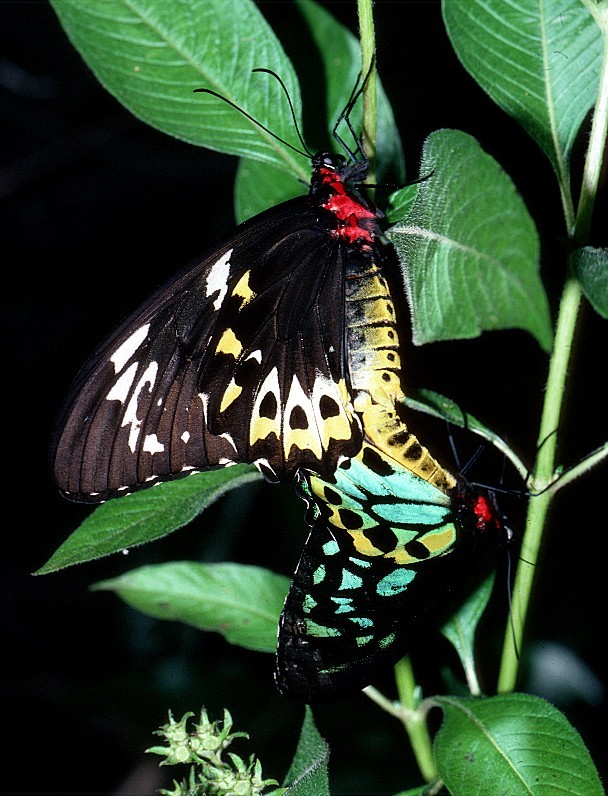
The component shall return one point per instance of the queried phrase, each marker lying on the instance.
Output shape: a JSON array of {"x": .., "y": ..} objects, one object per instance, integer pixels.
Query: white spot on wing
[
  {"x": 130, "y": 415},
  {"x": 217, "y": 279},
  {"x": 229, "y": 439},
  {"x": 125, "y": 351},
  {"x": 257, "y": 355},
  {"x": 205, "y": 402},
  {"x": 152, "y": 445},
  {"x": 120, "y": 388},
  {"x": 264, "y": 466},
  {"x": 185, "y": 436}
]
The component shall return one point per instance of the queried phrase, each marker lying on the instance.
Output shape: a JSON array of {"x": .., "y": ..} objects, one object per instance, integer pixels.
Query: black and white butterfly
[{"x": 240, "y": 358}]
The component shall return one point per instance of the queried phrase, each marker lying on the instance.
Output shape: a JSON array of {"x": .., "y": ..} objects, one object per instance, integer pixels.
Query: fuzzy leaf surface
[
  {"x": 468, "y": 248},
  {"x": 308, "y": 775},
  {"x": 591, "y": 267}
]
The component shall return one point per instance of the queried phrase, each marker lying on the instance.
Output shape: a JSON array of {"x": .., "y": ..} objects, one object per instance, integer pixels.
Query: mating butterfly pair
[{"x": 280, "y": 348}]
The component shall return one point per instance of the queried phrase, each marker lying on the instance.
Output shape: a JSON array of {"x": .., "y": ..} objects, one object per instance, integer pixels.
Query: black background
[{"x": 97, "y": 210}]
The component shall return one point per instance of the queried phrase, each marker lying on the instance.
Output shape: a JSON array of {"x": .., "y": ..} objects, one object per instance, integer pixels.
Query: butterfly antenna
[
  {"x": 453, "y": 446},
  {"x": 232, "y": 104},
  {"x": 291, "y": 108},
  {"x": 510, "y": 602}
]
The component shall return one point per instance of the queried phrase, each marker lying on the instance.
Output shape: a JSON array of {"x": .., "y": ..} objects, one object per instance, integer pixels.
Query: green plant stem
[
  {"x": 544, "y": 470},
  {"x": 368, "y": 47},
  {"x": 580, "y": 468},
  {"x": 543, "y": 474},
  {"x": 414, "y": 721}
]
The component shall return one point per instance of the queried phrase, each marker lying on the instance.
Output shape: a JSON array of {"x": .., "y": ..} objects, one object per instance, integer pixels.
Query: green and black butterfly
[{"x": 388, "y": 554}]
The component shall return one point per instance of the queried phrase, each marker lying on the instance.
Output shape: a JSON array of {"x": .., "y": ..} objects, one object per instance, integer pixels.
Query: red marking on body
[
  {"x": 483, "y": 511},
  {"x": 346, "y": 209}
]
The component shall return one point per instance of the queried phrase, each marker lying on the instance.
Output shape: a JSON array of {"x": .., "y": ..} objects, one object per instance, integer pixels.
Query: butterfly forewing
[{"x": 238, "y": 359}]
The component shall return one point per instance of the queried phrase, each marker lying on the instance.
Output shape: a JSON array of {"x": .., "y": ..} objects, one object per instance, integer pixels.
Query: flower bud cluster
[{"x": 202, "y": 748}]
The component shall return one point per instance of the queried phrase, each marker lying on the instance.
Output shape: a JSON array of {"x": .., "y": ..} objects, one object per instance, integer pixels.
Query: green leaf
[
  {"x": 144, "y": 516},
  {"x": 591, "y": 268},
  {"x": 539, "y": 61},
  {"x": 307, "y": 775},
  {"x": 468, "y": 248},
  {"x": 515, "y": 744},
  {"x": 400, "y": 202},
  {"x": 461, "y": 628},
  {"x": 243, "y": 603},
  {"x": 152, "y": 54},
  {"x": 259, "y": 186}
]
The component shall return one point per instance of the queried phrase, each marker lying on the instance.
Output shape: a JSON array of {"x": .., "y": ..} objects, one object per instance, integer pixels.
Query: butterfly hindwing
[
  {"x": 385, "y": 551},
  {"x": 226, "y": 363}
]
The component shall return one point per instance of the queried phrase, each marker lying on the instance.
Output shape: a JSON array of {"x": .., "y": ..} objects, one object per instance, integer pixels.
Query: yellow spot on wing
[
  {"x": 337, "y": 426},
  {"x": 363, "y": 545},
  {"x": 436, "y": 542},
  {"x": 229, "y": 344},
  {"x": 440, "y": 540},
  {"x": 233, "y": 390},
  {"x": 243, "y": 290},
  {"x": 303, "y": 438}
]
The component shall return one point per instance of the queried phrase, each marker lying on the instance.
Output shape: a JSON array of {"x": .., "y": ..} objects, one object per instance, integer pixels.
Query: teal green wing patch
[{"x": 386, "y": 557}]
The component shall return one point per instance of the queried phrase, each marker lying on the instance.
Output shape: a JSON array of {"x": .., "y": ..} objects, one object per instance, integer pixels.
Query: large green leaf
[
  {"x": 538, "y": 59},
  {"x": 516, "y": 744},
  {"x": 144, "y": 516},
  {"x": 468, "y": 248},
  {"x": 152, "y": 54},
  {"x": 241, "y": 602}
]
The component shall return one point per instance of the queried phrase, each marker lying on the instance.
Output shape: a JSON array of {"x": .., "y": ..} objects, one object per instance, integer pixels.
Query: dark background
[{"x": 97, "y": 210}]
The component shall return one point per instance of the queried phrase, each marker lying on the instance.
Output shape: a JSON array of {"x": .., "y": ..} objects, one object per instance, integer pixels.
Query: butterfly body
[{"x": 387, "y": 554}]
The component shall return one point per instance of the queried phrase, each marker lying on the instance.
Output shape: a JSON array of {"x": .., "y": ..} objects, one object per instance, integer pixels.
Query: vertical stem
[
  {"x": 368, "y": 50},
  {"x": 415, "y": 723},
  {"x": 564, "y": 334},
  {"x": 543, "y": 473}
]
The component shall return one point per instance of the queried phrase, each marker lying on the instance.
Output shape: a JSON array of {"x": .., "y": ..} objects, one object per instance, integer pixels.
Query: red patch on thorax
[{"x": 346, "y": 209}]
